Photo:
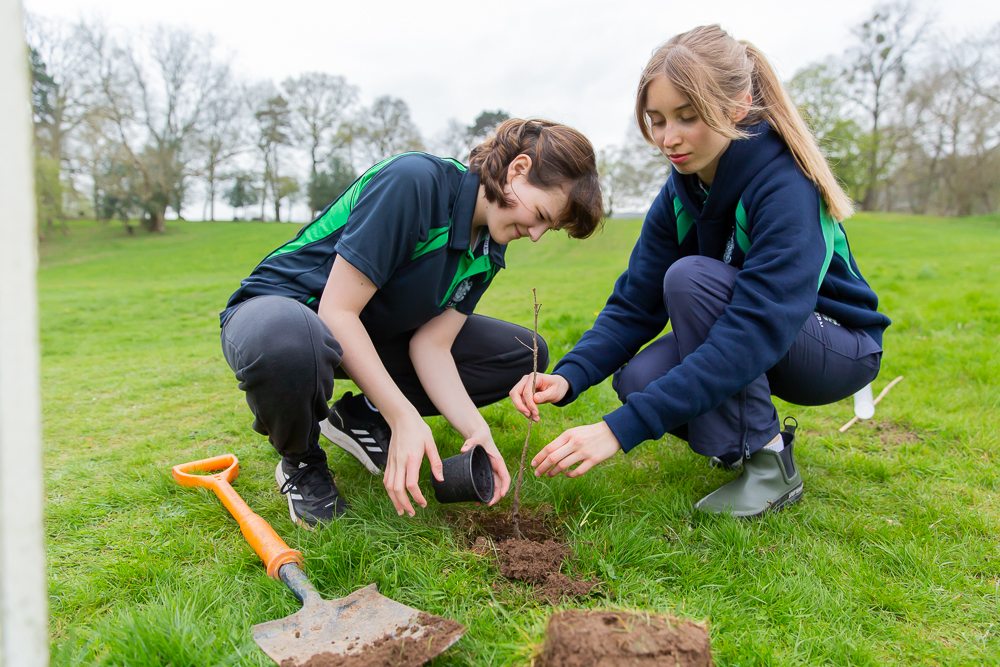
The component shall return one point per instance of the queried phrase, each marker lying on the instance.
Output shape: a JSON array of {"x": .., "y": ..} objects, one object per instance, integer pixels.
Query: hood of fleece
[{"x": 743, "y": 160}]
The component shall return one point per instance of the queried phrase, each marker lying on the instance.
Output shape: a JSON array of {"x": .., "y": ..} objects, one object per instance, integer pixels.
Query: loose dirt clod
[
  {"x": 539, "y": 563},
  {"x": 403, "y": 650},
  {"x": 592, "y": 638},
  {"x": 530, "y": 561}
]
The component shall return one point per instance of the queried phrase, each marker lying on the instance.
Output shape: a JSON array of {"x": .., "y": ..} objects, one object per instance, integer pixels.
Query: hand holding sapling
[
  {"x": 547, "y": 389},
  {"x": 586, "y": 445}
]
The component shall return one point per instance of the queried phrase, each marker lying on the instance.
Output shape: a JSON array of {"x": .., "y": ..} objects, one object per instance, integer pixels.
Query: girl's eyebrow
[{"x": 683, "y": 106}]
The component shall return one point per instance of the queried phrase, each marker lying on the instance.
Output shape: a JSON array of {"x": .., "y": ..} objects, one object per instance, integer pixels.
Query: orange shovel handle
[{"x": 258, "y": 532}]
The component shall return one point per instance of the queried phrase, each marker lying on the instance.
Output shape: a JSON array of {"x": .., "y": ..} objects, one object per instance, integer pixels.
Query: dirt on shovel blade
[
  {"x": 402, "y": 650},
  {"x": 594, "y": 638}
]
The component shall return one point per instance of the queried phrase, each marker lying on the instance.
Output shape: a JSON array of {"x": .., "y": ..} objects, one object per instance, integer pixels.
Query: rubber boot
[{"x": 769, "y": 481}]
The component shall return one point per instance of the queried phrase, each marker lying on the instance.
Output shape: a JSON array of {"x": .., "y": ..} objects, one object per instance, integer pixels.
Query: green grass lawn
[{"x": 892, "y": 556}]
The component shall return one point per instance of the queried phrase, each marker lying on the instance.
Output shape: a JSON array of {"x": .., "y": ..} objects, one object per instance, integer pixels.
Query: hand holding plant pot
[
  {"x": 501, "y": 476},
  {"x": 411, "y": 441}
]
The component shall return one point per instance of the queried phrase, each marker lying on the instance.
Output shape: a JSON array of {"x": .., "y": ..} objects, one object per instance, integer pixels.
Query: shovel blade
[{"x": 355, "y": 626}]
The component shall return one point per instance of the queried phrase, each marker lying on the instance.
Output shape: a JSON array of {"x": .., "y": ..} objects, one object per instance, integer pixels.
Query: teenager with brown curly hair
[{"x": 381, "y": 288}]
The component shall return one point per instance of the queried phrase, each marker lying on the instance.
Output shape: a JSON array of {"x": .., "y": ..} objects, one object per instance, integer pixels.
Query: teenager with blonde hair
[
  {"x": 744, "y": 254},
  {"x": 381, "y": 288}
]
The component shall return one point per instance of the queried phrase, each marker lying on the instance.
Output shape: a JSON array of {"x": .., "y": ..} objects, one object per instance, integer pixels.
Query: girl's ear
[
  {"x": 743, "y": 109},
  {"x": 519, "y": 166}
]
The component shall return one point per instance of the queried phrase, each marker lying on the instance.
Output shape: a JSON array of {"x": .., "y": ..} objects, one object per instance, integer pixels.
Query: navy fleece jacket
[{"x": 793, "y": 259}]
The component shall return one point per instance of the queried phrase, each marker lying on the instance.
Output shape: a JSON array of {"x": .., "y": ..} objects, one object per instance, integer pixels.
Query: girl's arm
[
  {"x": 430, "y": 352},
  {"x": 346, "y": 293}
]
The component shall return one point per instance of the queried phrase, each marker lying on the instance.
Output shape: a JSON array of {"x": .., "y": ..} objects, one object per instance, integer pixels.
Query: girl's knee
[{"x": 684, "y": 274}]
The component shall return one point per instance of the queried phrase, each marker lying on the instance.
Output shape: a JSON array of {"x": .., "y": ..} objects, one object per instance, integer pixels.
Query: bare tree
[
  {"x": 319, "y": 103},
  {"x": 386, "y": 129},
  {"x": 821, "y": 97},
  {"x": 453, "y": 141},
  {"x": 60, "y": 52},
  {"x": 155, "y": 105},
  {"x": 878, "y": 67},
  {"x": 273, "y": 117},
  {"x": 976, "y": 61},
  {"x": 221, "y": 138},
  {"x": 631, "y": 174}
]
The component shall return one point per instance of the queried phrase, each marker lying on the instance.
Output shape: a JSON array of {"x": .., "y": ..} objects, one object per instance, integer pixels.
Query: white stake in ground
[{"x": 23, "y": 634}]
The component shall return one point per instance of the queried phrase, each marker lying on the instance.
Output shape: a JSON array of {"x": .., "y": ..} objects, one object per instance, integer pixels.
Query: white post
[{"x": 23, "y": 604}]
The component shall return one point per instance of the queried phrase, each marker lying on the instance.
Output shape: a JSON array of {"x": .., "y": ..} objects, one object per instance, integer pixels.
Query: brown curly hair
[{"x": 560, "y": 157}]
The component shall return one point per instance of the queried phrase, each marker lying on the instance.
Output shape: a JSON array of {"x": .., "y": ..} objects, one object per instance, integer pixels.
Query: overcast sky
[{"x": 573, "y": 62}]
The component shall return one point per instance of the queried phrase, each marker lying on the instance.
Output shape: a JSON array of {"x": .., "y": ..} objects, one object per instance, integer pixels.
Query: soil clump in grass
[
  {"x": 401, "y": 650},
  {"x": 536, "y": 559},
  {"x": 593, "y": 638},
  {"x": 537, "y": 525}
]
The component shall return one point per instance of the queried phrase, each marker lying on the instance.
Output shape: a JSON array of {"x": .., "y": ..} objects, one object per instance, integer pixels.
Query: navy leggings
[{"x": 827, "y": 362}]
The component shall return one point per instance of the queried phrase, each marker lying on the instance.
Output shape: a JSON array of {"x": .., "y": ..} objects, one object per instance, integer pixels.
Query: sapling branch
[{"x": 515, "y": 515}]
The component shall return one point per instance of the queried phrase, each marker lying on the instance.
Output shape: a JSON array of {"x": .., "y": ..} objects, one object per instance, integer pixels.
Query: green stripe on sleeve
[
  {"x": 829, "y": 225},
  {"x": 841, "y": 247},
  {"x": 336, "y": 216},
  {"x": 742, "y": 238},
  {"x": 437, "y": 238}
]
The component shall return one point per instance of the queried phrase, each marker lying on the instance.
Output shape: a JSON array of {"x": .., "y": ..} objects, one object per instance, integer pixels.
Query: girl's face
[
  {"x": 680, "y": 134},
  {"x": 535, "y": 211}
]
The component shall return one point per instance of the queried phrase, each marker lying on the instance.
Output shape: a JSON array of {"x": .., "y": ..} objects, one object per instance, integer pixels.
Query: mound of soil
[
  {"x": 530, "y": 561},
  {"x": 535, "y": 559},
  {"x": 592, "y": 638},
  {"x": 401, "y": 650},
  {"x": 537, "y": 525},
  {"x": 539, "y": 563}
]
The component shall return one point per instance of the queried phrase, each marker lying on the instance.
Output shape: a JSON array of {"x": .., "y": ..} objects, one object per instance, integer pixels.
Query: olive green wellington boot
[{"x": 769, "y": 481}]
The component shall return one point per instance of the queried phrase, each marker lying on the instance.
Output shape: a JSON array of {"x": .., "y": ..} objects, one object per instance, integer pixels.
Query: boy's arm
[{"x": 430, "y": 352}]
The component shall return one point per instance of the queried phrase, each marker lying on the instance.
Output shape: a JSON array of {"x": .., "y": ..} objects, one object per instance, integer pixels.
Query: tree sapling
[{"x": 515, "y": 516}]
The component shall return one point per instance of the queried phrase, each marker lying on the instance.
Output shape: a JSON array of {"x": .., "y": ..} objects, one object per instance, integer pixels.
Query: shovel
[{"x": 352, "y": 630}]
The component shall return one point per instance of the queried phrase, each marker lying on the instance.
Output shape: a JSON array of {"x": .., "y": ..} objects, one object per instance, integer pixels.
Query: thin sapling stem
[{"x": 516, "y": 510}]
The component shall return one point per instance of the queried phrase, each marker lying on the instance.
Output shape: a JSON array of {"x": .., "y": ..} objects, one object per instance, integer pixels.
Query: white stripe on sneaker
[
  {"x": 366, "y": 439},
  {"x": 359, "y": 431},
  {"x": 374, "y": 449}
]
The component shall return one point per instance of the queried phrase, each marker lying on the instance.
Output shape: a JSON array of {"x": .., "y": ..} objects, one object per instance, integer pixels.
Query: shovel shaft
[{"x": 258, "y": 532}]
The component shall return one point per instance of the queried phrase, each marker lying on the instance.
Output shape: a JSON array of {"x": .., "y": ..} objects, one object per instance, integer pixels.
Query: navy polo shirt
[{"x": 406, "y": 224}]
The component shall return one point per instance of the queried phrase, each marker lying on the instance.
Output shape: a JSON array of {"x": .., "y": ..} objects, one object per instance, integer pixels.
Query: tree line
[
  {"x": 126, "y": 127},
  {"x": 909, "y": 119},
  {"x": 131, "y": 127}
]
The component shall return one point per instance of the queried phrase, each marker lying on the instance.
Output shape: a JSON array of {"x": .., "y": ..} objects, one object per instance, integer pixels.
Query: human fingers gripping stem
[
  {"x": 586, "y": 445},
  {"x": 549, "y": 388},
  {"x": 501, "y": 476},
  {"x": 411, "y": 441}
]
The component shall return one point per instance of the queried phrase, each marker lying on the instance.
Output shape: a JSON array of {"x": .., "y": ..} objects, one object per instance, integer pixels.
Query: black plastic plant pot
[{"x": 468, "y": 477}]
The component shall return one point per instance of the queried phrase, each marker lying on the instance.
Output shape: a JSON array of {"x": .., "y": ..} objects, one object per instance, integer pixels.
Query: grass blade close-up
[{"x": 891, "y": 557}]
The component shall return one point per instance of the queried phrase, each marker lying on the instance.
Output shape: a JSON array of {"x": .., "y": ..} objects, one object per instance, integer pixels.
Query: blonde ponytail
[{"x": 714, "y": 72}]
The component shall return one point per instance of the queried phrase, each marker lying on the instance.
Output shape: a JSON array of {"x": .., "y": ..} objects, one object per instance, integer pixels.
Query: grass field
[{"x": 892, "y": 557}]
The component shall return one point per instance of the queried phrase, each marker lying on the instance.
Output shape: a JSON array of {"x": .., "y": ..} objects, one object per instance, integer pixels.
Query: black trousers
[
  {"x": 827, "y": 362},
  {"x": 286, "y": 359}
]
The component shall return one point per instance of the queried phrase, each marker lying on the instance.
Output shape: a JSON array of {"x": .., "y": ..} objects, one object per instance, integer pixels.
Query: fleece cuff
[
  {"x": 576, "y": 378},
  {"x": 627, "y": 427}
]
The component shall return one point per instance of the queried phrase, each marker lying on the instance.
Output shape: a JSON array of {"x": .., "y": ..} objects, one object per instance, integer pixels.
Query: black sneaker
[
  {"x": 311, "y": 492},
  {"x": 358, "y": 430}
]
